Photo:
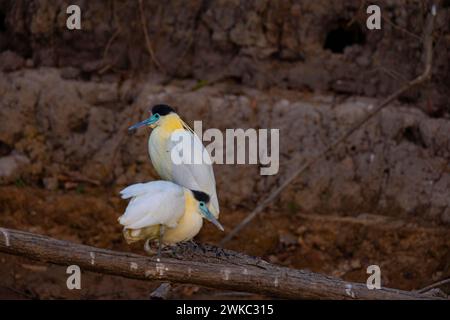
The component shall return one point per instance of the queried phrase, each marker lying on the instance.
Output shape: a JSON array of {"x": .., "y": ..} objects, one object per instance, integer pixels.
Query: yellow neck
[
  {"x": 190, "y": 204},
  {"x": 170, "y": 122},
  {"x": 189, "y": 224}
]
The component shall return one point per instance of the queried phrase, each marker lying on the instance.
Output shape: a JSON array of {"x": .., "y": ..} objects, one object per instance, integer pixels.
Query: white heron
[
  {"x": 195, "y": 176},
  {"x": 164, "y": 210}
]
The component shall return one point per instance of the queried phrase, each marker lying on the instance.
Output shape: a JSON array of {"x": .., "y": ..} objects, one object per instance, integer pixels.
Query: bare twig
[
  {"x": 395, "y": 26},
  {"x": 111, "y": 40},
  {"x": 434, "y": 285},
  {"x": 27, "y": 295},
  {"x": 394, "y": 74},
  {"x": 210, "y": 267},
  {"x": 109, "y": 43},
  {"x": 428, "y": 52},
  {"x": 77, "y": 177},
  {"x": 357, "y": 13},
  {"x": 147, "y": 38}
]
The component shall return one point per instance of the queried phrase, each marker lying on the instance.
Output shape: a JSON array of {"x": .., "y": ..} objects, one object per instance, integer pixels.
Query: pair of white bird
[{"x": 173, "y": 210}]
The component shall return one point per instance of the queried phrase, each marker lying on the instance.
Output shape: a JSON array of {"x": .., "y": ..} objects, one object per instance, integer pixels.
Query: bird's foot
[
  {"x": 153, "y": 248},
  {"x": 173, "y": 251},
  {"x": 181, "y": 250},
  {"x": 192, "y": 245}
]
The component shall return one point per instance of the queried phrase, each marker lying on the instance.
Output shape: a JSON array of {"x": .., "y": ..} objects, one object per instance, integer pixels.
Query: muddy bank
[
  {"x": 318, "y": 46},
  {"x": 410, "y": 256},
  {"x": 383, "y": 198},
  {"x": 62, "y": 134},
  {"x": 308, "y": 68}
]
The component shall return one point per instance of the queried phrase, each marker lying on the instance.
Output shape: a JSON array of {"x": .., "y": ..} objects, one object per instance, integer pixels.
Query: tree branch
[
  {"x": 428, "y": 53},
  {"x": 202, "y": 265}
]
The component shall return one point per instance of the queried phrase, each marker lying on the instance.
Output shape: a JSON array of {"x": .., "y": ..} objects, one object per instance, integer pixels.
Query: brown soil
[
  {"x": 315, "y": 46},
  {"x": 410, "y": 256},
  {"x": 308, "y": 68}
]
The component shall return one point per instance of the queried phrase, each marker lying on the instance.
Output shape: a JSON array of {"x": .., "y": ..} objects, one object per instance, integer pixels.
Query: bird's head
[
  {"x": 203, "y": 201},
  {"x": 159, "y": 111}
]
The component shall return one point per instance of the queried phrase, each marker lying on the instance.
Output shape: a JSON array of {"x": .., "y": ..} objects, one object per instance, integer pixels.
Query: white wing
[
  {"x": 149, "y": 187},
  {"x": 191, "y": 174},
  {"x": 153, "y": 203}
]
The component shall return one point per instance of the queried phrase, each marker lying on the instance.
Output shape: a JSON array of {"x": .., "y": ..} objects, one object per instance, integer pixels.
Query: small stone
[
  {"x": 70, "y": 73},
  {"x": 70, "y": 185},
  {"x": 12, "y": 164},
  {"x": 301, "y": 230},
  {"x": 92, "y": 66},
  {"x": 10, "y": 61},
  {"x": 29, "y": 63},
  {"x": 288, "y": 239},
  {"x": 50, "y": 183},
  {"x": 363, "y": 61},
  {"x": 355, "y": 264}
]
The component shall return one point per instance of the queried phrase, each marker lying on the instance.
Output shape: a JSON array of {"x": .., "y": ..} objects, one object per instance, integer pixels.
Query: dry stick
[
  {"x": 355, "y": 16},
  {"x": 395, "y": 26},
  {"x": 111, "y": 40},
  {"x": 428, "y": 49},
  {"x": 105, "y": 52},
  {"x": 109, "y": 43},
  {"x": 147, "y": 38},
  {"x": 216, "y": 268},
  {"x": 434, "y": 285}
]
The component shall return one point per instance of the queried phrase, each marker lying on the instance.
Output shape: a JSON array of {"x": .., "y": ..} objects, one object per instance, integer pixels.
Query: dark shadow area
[{"x": 344, "y": 35}]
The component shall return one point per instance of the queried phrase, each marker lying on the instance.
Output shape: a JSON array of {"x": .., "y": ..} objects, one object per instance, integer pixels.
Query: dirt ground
[
  {"x": 310, "y": 69},
  {"x": 337, "y": 219},
  {"x": 409, "y": 255}
]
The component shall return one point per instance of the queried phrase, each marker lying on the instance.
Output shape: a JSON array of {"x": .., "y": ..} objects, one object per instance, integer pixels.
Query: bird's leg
[
  {"x": 161, "y": 234},
  {"x": 148, "y": 248}
]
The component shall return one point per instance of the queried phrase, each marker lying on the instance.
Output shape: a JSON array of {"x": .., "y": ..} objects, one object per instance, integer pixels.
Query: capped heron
[
  {"x": 165, "y": 123},
  {"x": 165, "y": 211}
]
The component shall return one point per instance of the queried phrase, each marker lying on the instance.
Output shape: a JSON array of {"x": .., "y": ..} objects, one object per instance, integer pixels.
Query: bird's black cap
[
  {"x": 200, "y": 196},
  {"x": 162, "y": 109}
]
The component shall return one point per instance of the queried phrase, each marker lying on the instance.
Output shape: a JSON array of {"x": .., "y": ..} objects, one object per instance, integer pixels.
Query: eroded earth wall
[{"x": 397, "y": 165}]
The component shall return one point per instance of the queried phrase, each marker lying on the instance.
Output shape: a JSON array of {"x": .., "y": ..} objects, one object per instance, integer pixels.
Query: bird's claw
[
  {"x": 153, "y": 249},
  {"x": 148, "y": 248}
]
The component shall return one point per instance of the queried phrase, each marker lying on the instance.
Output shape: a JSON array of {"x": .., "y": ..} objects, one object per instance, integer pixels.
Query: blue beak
[
  {"x": 153, "y": 119},
  {"x": 210, "y": 217}
]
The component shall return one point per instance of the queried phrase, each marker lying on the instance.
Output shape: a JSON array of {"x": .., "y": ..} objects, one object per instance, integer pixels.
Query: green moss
[
  {"x": 80, "y": 189},
  {"x": 200, "y": 84},
  {"x": 20, "y": 183}
]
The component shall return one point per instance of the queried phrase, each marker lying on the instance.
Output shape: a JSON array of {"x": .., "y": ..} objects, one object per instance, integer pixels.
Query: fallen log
[{"x": 196, "y": 264}]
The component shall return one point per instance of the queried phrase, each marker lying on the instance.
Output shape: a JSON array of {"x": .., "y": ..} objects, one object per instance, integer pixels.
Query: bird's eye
[
  {"x": 202, "y": 204},
  {"x": 156, "y": 115}
]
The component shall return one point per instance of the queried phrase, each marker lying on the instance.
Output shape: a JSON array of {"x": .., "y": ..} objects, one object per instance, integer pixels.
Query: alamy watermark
[
  {"x": 74, "y": 20},
  {"x": 373, "y": 21},
  {"x": 374, "y": 281},
  {"x": 74, "y": 280},
  {"x": 231, "y": 149}
]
